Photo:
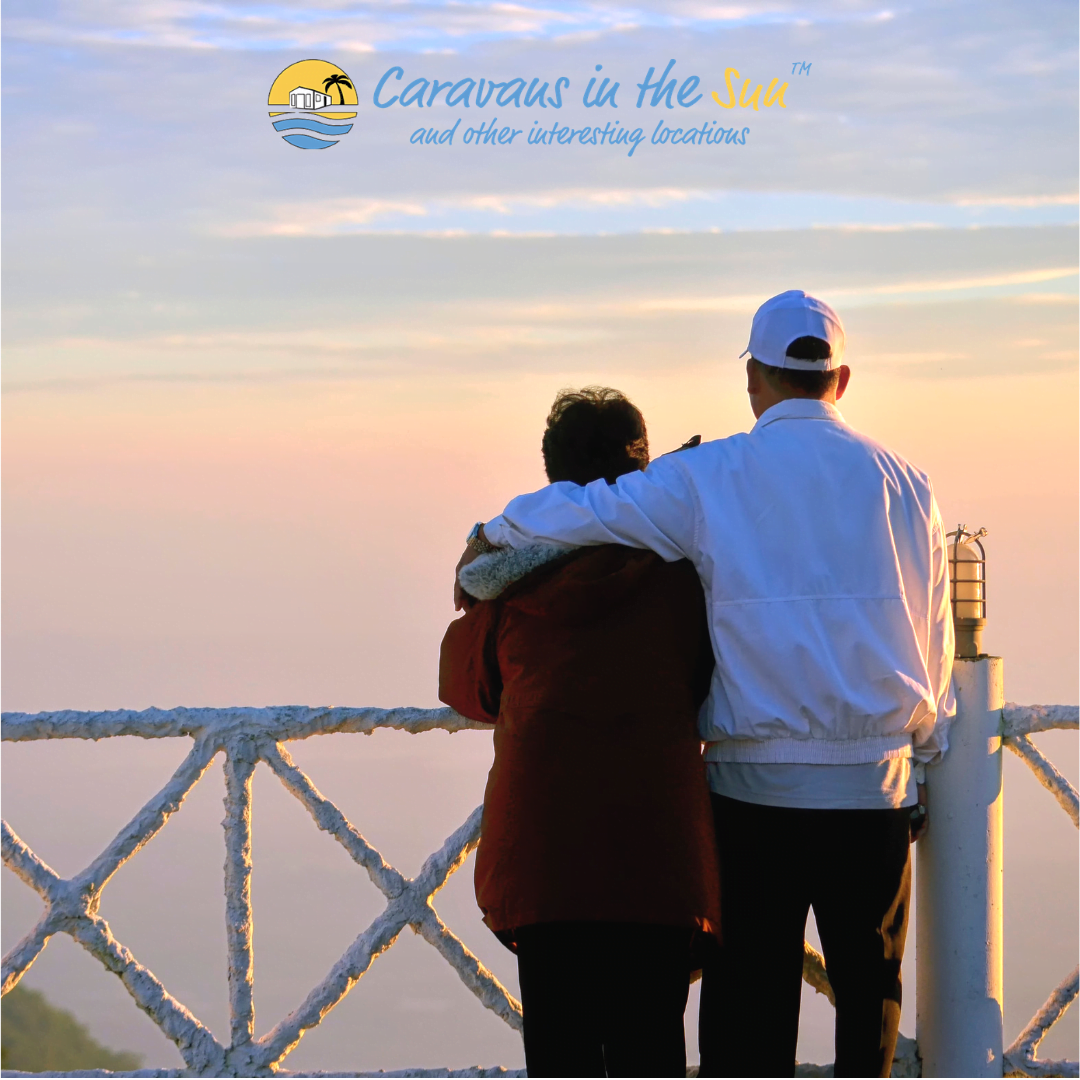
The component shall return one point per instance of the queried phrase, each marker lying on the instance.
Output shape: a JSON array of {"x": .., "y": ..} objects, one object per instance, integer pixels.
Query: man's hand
[
  {"x": 920, "y": 817},
  {"x": 461, "y": 597},
  {"x": 472, "y": 551}
]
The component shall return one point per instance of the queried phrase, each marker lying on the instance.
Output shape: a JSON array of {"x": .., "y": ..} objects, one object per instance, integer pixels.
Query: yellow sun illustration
[{"x": 314, "y": 86}]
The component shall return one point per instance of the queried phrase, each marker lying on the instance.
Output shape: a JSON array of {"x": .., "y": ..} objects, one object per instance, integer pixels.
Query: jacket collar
[
  {"x": 487, "y": 576},
  {"x": 799, "y": 409}
]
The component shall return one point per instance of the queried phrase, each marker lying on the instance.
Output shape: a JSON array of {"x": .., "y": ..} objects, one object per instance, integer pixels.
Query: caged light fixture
[{"x": 967, "y": 589}]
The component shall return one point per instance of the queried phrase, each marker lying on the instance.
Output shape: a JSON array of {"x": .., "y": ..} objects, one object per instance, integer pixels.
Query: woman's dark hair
[{"x": 591, "y": 433}]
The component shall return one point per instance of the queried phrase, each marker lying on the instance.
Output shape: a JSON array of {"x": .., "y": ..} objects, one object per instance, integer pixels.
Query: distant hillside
[{"x": 37, "y": 1037}]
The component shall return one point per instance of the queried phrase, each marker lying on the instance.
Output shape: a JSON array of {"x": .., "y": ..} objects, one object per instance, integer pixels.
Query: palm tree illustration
[{"x": 339, "y": 81}]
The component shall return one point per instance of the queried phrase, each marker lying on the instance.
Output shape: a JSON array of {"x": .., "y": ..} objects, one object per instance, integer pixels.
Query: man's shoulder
[
  {"x": 889, "y": 459},
  {"x": 705, "y": 454},
  {"x": 862, "y": 454},
  {"x": 695, "y": 463}
]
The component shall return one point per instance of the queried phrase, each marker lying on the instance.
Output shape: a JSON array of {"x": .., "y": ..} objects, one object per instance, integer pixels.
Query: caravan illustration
[{"x": 305, "y": 98}]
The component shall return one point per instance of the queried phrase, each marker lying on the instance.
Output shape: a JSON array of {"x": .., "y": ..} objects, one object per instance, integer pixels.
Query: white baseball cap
[{"x": 791, "y": 315}]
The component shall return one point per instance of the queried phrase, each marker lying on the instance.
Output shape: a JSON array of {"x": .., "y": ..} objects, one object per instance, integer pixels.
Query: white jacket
[{"x": 825, "y": 570}]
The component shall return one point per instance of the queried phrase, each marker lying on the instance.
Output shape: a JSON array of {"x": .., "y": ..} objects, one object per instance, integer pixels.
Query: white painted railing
[
  {"x": 249, "y": 736},
  {"x": 1018, "y": 724}
]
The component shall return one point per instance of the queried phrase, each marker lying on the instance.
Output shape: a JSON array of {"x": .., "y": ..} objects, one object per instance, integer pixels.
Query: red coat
[{"x": 593, "y": 668}]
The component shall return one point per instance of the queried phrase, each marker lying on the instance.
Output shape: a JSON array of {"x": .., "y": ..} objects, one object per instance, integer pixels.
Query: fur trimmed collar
[{"x": 488, "y": 575}]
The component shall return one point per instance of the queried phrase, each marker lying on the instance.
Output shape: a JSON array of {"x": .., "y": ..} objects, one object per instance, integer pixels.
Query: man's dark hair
[
  {"x": 592, "y": 433},
  {"x": 815, "y": 384}
]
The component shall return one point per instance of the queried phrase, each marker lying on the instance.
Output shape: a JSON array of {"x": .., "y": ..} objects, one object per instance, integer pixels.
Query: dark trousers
[
  {"x": 604, "y": 999},
  {"x": 853, "y": 868}
]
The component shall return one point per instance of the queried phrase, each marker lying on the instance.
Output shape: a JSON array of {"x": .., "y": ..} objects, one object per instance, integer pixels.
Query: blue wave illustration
[
  {"x": 312, "y": 125},
  {"x": 308, "y": 142}
]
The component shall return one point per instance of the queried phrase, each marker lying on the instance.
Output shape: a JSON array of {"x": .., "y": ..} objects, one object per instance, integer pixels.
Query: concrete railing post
[{"x": 959, "y": 969}]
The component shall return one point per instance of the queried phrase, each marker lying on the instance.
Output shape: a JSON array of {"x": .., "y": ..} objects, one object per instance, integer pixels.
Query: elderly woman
[{"x": 597, "y": 863}]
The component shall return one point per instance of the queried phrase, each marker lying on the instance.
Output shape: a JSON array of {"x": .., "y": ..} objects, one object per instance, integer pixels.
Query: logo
[{"x": 310, "y": 98}]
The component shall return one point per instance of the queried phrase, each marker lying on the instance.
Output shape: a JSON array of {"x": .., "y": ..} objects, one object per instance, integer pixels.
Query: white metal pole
[{"x": 959, "y": 956}]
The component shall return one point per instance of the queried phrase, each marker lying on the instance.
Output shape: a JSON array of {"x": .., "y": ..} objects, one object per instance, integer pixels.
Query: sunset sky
[{"x": 255, "y": 396}]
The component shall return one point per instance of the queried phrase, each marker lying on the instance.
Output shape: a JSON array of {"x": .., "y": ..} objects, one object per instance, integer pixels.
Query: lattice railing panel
[
  {"x": 1018, "y": 724},
  {"x": 248, "y": 737}
]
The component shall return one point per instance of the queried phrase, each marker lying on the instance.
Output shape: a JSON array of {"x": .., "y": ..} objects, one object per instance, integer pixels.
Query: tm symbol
[{"x": 800, "y": 67}]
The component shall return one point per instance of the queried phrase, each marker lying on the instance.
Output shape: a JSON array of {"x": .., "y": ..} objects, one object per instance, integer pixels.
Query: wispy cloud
[
  {"x": 1070, "y": 299},
  {"x": 992, "y": 281},
  {"x": 857, "y": 295},
  {"x": 366, "y": 25},
  {"x": 496, "y": 330},
  {"x": 1025, "y": 201},
  {"x": 482, "y": 326},
  {"x": 669, "y": 209},
  {"x": 336, "y": 216}
]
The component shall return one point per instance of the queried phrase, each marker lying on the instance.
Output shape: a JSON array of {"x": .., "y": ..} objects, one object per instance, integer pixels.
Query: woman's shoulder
[
  {"x": 603, "y": 573},
  {"x": 489, "y": 576}
]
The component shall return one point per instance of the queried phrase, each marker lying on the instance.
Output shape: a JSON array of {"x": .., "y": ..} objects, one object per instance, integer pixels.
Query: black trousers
[
  {"x": 853, "y": 868},
  {"x": 632, "y": 1027}
]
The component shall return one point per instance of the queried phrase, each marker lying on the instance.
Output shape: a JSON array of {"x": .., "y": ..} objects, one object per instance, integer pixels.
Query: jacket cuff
[{"x": 496, "y": 531}]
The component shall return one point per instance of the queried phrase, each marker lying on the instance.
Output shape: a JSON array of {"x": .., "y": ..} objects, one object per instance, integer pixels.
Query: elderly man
[{"x": 824, "y": 563}]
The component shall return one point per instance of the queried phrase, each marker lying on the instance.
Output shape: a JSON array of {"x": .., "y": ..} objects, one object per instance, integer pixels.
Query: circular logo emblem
[{"x": 311, "y": 104}]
